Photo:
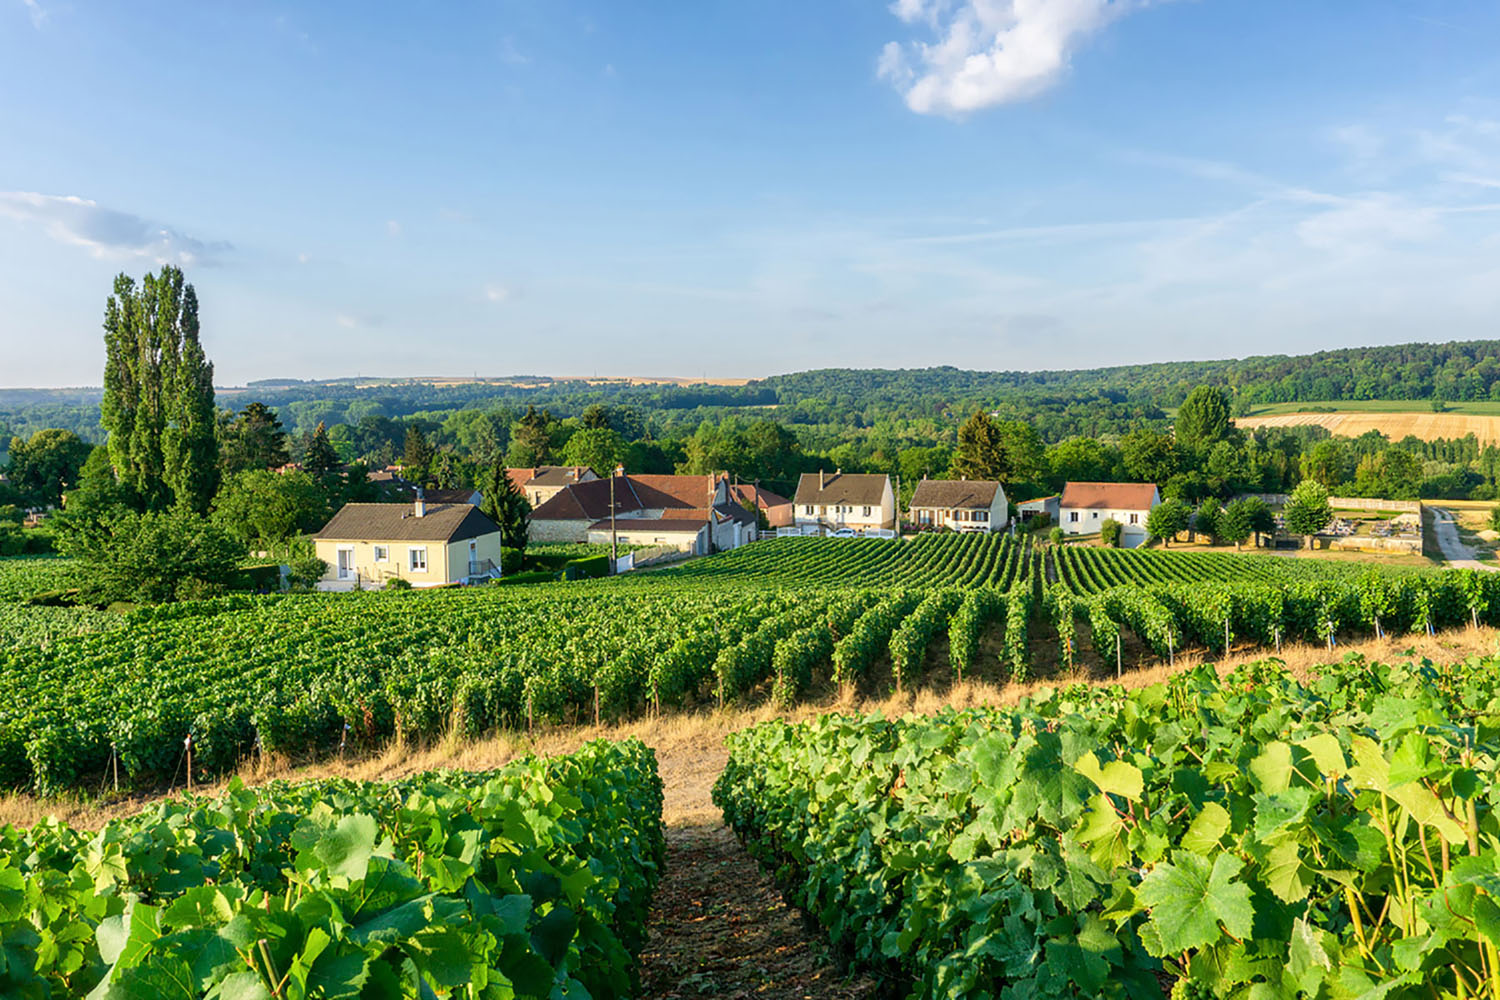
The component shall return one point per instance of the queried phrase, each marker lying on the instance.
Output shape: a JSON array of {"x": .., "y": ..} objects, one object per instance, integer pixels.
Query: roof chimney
[
  {"x": 620, "y": 469},
  {"x": 821, "y": 482},
  {"x": 419, "y": 508}
]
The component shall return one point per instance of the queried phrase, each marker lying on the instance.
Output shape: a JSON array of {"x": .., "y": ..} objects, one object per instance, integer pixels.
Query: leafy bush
[
  {"x": 511, "y": 560},
  {"x": 152, "y": 557},
  {"x": 1109, "y": 532},
  {"x": 587, "y": 568}
]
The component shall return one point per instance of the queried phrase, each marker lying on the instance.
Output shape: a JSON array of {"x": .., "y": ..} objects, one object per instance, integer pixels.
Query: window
[
  {"x": 867, "y": 512},
  {"x": 1095, "y": 515},
  {"x": 382, "y": 553},
  {"x": 1135, "y": 518},
  {"x": 417, "y": 559},
  {"x": 809, "y": 509},
  {"x": 1073, "y": 515},
  {"x": 981, "y": 515}
]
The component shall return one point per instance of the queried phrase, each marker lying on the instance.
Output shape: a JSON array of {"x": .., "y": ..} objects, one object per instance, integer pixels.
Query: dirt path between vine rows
[{"x": 719, "y": 926}]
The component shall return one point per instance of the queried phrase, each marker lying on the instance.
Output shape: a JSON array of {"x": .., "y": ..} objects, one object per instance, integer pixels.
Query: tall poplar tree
[{"x": 158, "y": 404}]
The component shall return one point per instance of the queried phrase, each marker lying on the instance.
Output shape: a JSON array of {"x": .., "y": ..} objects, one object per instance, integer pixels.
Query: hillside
[
  {"x": 1394, "y": 425},
  {"x": 1084, "y": 401}
]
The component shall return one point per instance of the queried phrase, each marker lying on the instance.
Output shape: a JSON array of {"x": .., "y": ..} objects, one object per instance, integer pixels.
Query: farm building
[
  {"x": 778, "y": 509},
  {"x": 860, "y": 502},
  {"x": 959, "y": 504},
  {"x": 1084, "y": 507},
  {"x": 651, "y": 509},
  {"x": 1041, "y": 506},
  {"x": 366, "y": 545},
  {"x": 544, "y": 482}
]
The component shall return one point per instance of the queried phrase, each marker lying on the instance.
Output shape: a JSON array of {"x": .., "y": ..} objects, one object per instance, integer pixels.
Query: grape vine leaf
[
  {"x": 1206, "y": 829},
  {"x": 1117, "y": 777},
  {"x": 1189, "y": 898}
]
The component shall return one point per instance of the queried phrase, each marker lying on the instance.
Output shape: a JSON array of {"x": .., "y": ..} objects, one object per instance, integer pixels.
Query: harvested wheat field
[{"x": 1426, "y": 426}]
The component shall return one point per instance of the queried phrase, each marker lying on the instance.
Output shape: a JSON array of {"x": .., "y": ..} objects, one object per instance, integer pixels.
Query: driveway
[{"x": 1455, "y": 552}]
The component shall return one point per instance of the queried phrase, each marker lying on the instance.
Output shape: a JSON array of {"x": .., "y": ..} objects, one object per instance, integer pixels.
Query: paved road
[{"x": 1458, "y": 555}]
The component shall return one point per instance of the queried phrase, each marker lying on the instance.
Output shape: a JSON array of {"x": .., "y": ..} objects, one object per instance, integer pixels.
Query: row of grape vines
[
  {"x": 1239, "y": 837},
  {"x": 531, "y": 881}
]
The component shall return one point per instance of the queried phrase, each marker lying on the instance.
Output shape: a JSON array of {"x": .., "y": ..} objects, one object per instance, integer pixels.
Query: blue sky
[{"x": 741, "y": 188}]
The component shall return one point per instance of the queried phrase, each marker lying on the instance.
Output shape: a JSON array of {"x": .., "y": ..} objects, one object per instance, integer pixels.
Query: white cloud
[
  {"x": 496, "y": 293},
  {"x": 990, "y": 52},
  {"x": 105, "y": 232},
  {"x": 392, "y": 227},
  {"x": 347, "y": 322},
  {"x": 37, "y": 11}
]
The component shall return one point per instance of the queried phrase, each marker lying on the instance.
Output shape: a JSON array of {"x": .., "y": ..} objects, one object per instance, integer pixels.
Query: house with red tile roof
[{"x": 1084, "y": 507}]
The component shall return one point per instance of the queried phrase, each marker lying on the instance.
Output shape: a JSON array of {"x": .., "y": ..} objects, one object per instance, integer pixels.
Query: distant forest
[{"x": 828, "y": 404}]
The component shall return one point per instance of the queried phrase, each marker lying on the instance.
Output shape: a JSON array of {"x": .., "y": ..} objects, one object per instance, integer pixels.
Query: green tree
[
  {"x": 595, "y": 417},
  {"x": 1243, "y": 517},
  {"x": 503, "y": 503},
  {"x": 1148, "y": 456},
  {"x": 254, "y": 440},
  {"x": 1307, "y": 510},
  {"x": 158, "y": 405},
  {"x": 1495, "y": 518},
  {"x": 1168, "y": 519},
  {"x": 416, "y": 455},
  {"x": 266, "y": 508},
  {"x": 320, "y": 458},
  {"x": 1327, "y": 463},
  {"x": 600, "y": 448},
  {"x": 981, "y": 450},
  {"x": 151, "y": 557},
  {"x": 1203, "y": 420},
  {"x": 1206, "y": 518},
  {"x": 1109, "y": 533},
  {"x": 44, "y": 465},
  {"x": 531, "y": 438},
  {"x": 1078, "y": 460}
]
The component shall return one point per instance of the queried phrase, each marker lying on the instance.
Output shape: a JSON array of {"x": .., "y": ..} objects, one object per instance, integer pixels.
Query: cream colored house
[
  {"x": 366, "y": 545},
  {"x": 838, "y": 501},
  {"x": 1085, "y": 507},
  {"x": 960, "y": 504}
]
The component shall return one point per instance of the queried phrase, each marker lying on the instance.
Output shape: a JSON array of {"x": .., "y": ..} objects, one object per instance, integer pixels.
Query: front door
[
  {"x": 346, "y": 564},
  {"x": 473, "y": 558}
]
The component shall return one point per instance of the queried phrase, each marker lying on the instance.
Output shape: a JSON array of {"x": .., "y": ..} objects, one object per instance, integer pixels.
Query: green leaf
[
  {"x": 242, "y": 986},
  {"x": 1117, "y": 777},
  {"x": 1285, "y": 874},
  {"x": 1326, "y": 752},
  {"x": 554, "y": 933},
  {"x": 346, "y": 849},
  {"x": 1188, "y": 900},
  {"x": 1206, "y": 830}
]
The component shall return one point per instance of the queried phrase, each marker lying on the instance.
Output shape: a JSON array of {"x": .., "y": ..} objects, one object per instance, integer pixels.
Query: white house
[
  {"x": 693, "y": 513},
  {"x": 1040, "y": 507},
  {"x": 1085, "y": 507},
  {"x": 833, "y": 501},
  {"x": 960, "y": 504}
]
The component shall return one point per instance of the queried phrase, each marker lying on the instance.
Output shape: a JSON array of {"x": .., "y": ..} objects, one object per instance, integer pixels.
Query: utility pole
[{"x": 614, "y": 551}]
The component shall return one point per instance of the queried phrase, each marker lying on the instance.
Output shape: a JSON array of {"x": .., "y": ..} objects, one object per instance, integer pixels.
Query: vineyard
[
  {"x": 531, "y": 881},
  {"x": 144, "y": 700},
  {"x": 1238, "y": 838}
]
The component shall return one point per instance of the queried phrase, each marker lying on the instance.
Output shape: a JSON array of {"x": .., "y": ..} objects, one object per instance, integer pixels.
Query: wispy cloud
[
  {"x": 989, "y": 52},
  {"x": 37, "y": 11},
  {"x": 496, "y": 293},
  {"x": 392, "y": 228},
  {"x": 105, "y": 232},
  {"x": 512, "y": 56}
]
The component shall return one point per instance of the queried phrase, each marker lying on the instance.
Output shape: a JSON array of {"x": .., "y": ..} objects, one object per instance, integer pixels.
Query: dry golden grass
[
  {"x": 1426, "y": 426},
  {"x": 690, "y": 745}
]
